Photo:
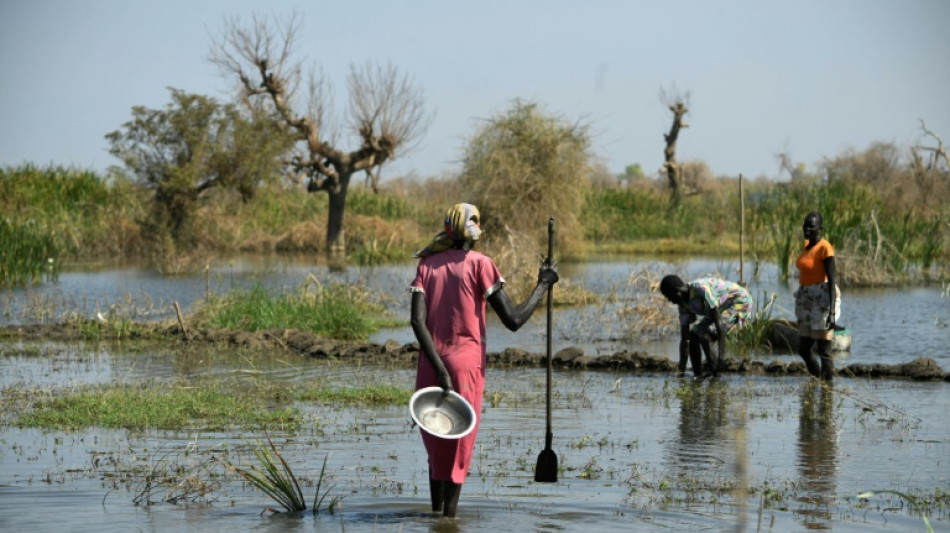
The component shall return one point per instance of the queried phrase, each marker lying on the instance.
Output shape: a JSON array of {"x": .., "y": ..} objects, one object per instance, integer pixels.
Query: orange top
[{"x": 811, "y": 262}]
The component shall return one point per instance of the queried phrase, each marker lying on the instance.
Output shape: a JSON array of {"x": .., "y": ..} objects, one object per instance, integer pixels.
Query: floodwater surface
[{"x": 636, "y": 452}]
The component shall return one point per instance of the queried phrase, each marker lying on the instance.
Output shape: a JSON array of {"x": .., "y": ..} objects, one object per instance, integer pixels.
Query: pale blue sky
[{"x": 810, "y": 78}]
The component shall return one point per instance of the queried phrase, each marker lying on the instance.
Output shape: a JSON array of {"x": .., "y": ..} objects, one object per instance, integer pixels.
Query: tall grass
[
  {"x": 27, "y": 253},
  {"x": 363, "y": 201},
  {"x": 88, "y": 216},
  {"x": 640, "y": 220},
  {"x": 84, "y": 216},
  {"x": 343, "y": 312},
  {"x": 875, "y": 243}
]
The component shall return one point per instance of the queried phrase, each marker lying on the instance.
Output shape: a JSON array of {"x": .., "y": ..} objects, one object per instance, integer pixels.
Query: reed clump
[
  {"x": 338, "y": 311},
  {"x": 27, "y": 254},
  {"x": 88, "y": 216},
  {"x": 274, "y": 477}
]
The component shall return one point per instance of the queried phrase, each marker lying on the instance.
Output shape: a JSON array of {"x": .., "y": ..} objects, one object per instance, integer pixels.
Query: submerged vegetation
[
  {"x": 145, "y": 406},
  {"x": 176, "y": 406}
]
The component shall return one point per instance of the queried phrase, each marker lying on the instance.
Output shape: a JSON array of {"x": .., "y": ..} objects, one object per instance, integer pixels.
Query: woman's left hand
[{"x": 830, "y": 324}]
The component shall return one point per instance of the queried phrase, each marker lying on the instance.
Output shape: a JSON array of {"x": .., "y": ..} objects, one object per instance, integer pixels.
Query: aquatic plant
[
  {"x": 368, "y": 395},
  {"x": 148, "y": 405},
  {"x": 754, "y": 335},
  {"x": 910, "y": 499},
  {"x": 275, "y": 478},
  {"x": 338, "y": 311}
]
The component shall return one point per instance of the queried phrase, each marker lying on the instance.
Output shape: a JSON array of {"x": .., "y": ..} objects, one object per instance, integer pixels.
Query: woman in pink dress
[{"x": 449, "y": 292}]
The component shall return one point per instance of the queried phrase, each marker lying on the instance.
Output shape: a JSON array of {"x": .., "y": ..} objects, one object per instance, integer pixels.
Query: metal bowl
[{"x": 445, "y": 415}]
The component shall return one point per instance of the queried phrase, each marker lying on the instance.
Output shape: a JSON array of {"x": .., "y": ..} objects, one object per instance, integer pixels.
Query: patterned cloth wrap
[
  {"x": 459, "y": 228},
  {"x": 731, "y": 299},
  {"x": 812, "y": 305}
]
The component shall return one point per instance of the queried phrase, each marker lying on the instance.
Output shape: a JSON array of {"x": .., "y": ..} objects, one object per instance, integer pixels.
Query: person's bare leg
[
  {"x": 712, "y": 362},
  {"x": 437, "y": 490},
  {"x": 805, "y": 345},
  {"x": 696, "y": 356},
  {"x": 451, "y": 491},
  {"x": 827, "y": 360}
]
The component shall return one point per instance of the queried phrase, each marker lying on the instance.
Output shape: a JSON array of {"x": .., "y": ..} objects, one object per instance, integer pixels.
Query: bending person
[
  {"x": 717, "y": 306},
  {"x": 452, "y": 284}
]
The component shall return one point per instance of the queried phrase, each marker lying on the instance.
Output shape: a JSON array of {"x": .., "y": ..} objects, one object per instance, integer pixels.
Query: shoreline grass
[{"x": 336, "y": 311}]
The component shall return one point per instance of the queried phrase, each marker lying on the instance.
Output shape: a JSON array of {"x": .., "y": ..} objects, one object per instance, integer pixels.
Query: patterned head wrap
[{"x": 461, "y": 230}]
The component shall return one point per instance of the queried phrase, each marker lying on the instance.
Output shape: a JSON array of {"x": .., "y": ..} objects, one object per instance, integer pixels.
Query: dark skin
[
  {"x": 825, "y": 370},
  {"x": 511, "y": 315},
  {"x": 812, "y": 230},
  {"x": 445, "y": 494},
  {"x": 691, "y": 344}
]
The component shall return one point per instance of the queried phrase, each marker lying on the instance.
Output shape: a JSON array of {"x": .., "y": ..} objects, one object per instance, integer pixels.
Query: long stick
[
  {"x": 546, "y": 469},
  {"x": 741, "y": 234},
  {"x": 549, "y": 435}
]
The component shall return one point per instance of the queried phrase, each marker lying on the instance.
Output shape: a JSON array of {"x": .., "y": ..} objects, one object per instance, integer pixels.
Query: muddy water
[{"x": 637, "y": 452}]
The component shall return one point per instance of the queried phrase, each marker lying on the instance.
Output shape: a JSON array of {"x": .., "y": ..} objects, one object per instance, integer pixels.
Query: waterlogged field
[{"x": 635, "y": 452}]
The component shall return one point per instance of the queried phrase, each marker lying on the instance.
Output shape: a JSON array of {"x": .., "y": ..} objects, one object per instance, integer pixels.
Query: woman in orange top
[{"x": 816, "y": 301}]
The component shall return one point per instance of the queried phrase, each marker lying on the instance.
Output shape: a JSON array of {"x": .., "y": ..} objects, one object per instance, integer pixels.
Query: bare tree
[
  {"x": 927, "y": 170},
  {"x": 385, "y": 115},
  {"x": 678, "y": 104}
]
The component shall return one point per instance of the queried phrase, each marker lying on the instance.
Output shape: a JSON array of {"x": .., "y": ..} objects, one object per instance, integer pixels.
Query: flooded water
[
  {"x": 888, "y": 325},
  {"x": 636, "y": 452}
]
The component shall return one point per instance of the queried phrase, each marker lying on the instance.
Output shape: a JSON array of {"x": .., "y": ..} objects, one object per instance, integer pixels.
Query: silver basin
[{"x": 445, "y": 415}]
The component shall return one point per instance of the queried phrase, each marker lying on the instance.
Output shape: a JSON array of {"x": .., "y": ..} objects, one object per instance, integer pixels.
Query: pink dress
[{"x": 456, "y": 284}]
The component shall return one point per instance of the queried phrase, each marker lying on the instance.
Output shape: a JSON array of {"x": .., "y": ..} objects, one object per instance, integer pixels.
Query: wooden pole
[
  {"x": 181, "y": 322},
  {"x": 741, "y": 234}
]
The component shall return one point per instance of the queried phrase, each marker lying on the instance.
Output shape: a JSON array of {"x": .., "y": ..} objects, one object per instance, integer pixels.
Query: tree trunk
[
  {"x": 673, "y": 174},
  {"x": 336, "y": 241}
]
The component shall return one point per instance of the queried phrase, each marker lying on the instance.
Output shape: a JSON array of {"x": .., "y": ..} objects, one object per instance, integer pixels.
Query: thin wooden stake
[
  {"x": 181, "y": 321},
  {"x": 741, "y": 234}
]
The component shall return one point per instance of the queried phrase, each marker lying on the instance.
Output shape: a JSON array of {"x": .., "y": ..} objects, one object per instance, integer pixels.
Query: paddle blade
[{"x": 546, "y": 469}]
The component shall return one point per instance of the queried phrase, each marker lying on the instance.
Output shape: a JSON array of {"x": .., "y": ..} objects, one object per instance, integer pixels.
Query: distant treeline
[{"x": 889, "y": 223}]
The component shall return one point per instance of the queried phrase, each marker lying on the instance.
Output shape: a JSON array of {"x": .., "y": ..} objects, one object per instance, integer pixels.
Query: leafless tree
[
  {"x": 678, "y": 104},
  {"x": 385, "y": 116},
  {"x": 927, "y": 169}
]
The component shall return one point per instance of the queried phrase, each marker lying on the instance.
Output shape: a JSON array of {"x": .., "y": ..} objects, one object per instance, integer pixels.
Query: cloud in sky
[{"x": 810, "y": 78}]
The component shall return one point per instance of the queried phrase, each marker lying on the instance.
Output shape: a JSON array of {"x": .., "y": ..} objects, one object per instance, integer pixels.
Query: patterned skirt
[{"x": 812, "y": 306}]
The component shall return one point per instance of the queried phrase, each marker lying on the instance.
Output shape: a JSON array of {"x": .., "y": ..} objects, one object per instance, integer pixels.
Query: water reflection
[
  {"x": 703, "y": 415},
  {"x": 817, "y": 454}
]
